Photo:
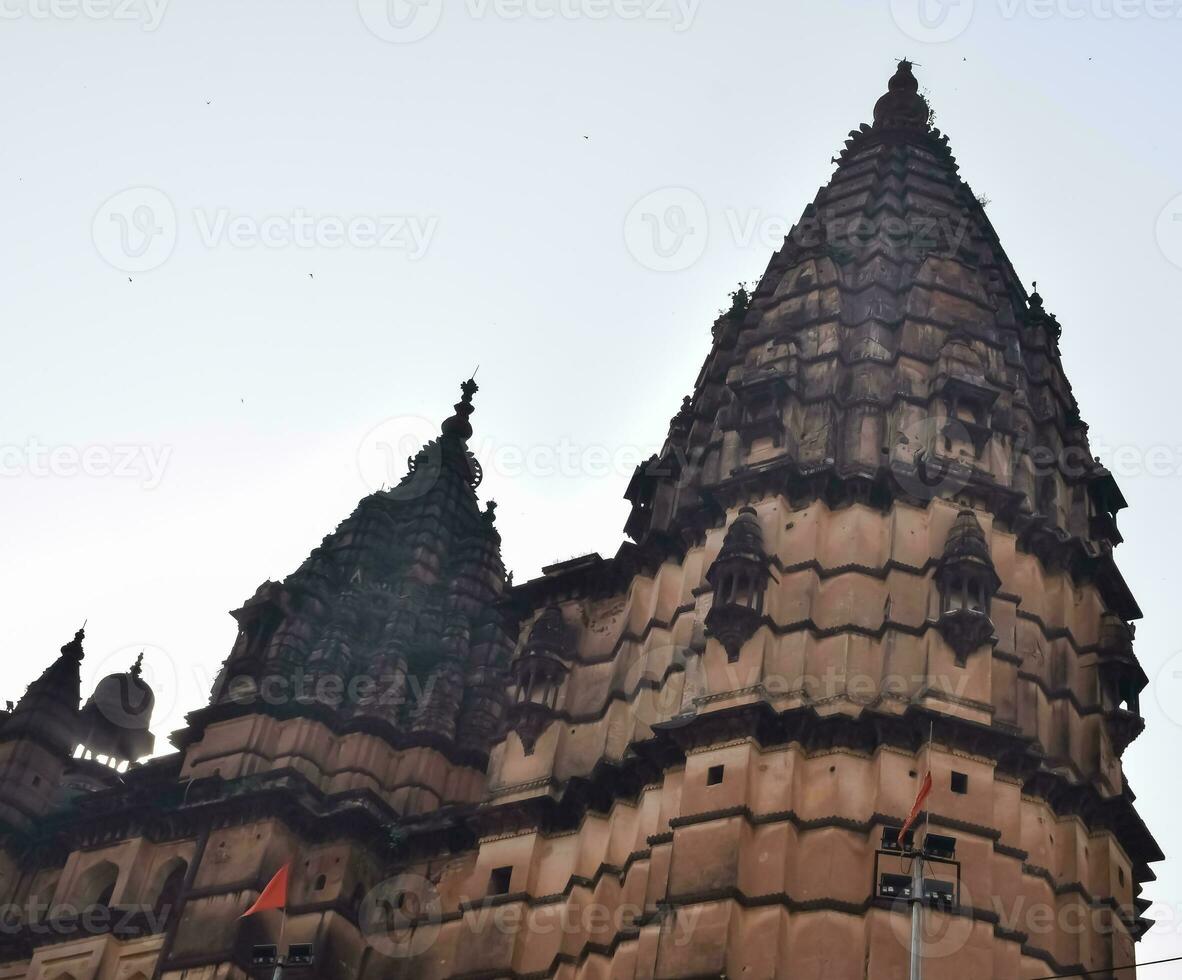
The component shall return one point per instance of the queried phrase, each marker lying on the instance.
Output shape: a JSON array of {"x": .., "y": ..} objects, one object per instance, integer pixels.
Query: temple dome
[{"x": 117, "y": 716}]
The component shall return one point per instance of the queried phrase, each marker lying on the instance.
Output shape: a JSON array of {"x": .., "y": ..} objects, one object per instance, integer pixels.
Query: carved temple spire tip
[
  {"x": 74, "y": 647},
  {"x": 458, "y": 424},
  {"x": 902, "y": 107}
]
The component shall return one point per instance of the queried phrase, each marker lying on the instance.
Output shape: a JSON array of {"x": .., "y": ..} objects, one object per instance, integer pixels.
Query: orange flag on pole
[
  {"x": 274, "y": 896},
  {"x": 924, "y": 789}
]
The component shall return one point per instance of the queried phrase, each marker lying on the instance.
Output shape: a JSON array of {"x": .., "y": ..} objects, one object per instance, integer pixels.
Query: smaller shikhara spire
[
  {"x": 902, "y": 107},
  {"x": 49, "y": 708},
  {"x": 406, "y": 589}
]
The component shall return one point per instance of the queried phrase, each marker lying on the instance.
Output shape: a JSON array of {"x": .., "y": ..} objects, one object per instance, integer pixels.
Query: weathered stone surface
[{"x": 874, "y": 544}]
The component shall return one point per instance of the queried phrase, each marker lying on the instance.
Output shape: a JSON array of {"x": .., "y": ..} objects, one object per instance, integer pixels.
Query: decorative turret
[
  {"x": 116, "y": 717},
  {"x": 1122, "y": 679},
  {"x": 538, "y": 672},
  {"x": 967, "y": 581},
  {"x": 739, "y": 577}
]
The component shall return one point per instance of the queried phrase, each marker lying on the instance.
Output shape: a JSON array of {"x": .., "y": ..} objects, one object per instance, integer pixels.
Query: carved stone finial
[
  {"x": 1035, "y": 299},
  {"x": 902, "y": 107},
  {"x": 458, "y": 425},
  {"x": 74, "y": 647}
]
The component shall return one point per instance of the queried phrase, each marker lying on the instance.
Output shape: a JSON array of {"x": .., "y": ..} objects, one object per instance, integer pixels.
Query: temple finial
[
  {"x": 74, "y": 647},
  {"x": 137, "y": 668},
  {"x": 902, "y": 107},
  {"x": 458, "y": 424}
]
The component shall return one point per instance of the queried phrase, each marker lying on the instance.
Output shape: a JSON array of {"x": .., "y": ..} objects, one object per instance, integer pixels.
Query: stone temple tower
[
  {"x": 874, "y": 544},
  {"x": 874, "y": 547}
]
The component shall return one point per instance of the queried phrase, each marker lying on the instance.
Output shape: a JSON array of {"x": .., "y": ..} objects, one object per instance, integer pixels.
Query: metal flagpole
[
  {"x": 278, "y": 974},
  {"x": 916, "y": 883},
  {"x": 916, "y": 917}
]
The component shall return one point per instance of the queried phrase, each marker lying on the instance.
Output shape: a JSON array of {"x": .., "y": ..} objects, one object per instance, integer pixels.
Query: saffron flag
[
  {"x": 924, "y": 789},
  {"x": 274, "y": 896}
]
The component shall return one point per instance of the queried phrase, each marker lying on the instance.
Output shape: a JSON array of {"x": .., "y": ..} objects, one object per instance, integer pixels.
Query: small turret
[
  {"x": 538, "y": 674},
  {"x": 116, "y": 717},
  {"x": 967, "y": 582},
  {"x": 739, "y": 576}
]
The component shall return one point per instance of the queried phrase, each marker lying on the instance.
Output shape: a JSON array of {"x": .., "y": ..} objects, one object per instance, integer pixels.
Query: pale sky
[{"x": 350, "y": 207}]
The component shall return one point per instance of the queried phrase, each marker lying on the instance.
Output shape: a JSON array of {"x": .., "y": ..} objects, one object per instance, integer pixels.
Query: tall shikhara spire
[
  {"x": 875, "y": 517},
  {"x": 890, "y": 350}
]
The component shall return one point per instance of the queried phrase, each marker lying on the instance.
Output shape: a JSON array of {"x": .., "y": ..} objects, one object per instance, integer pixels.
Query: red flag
[
  {"x": 274, "y": 896},
  {"x": 924, "y": 789}
]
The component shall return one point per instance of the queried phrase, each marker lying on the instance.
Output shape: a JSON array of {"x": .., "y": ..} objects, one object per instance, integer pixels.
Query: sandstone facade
[{"x": 875, "y": 544}]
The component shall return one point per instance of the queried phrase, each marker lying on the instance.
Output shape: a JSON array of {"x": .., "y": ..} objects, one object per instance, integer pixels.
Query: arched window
[
  {"x": 170, "y": 882},
  {"x": 97, "y": 885}
]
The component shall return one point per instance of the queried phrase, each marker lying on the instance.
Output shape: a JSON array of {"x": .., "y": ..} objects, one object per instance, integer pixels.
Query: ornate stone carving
[
  {"x": 967, "y": 582},
  {"x": 739, "y": 577}
]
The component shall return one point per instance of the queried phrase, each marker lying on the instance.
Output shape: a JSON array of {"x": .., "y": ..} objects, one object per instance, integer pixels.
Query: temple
[{"x": 875, "y": 545}]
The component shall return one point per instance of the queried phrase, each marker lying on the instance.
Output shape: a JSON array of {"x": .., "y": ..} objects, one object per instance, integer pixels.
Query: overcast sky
[{"x": 249, "y": 245}]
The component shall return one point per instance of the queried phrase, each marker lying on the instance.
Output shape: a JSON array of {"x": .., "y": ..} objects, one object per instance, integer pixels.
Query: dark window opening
[
  {"x": 499, "y": 880},
  {"x": 170, "y": 890},
  {"x": 714, "y": 775},
  {"x": 319, "y": 883},
  {"x": 960, "y": 782}
]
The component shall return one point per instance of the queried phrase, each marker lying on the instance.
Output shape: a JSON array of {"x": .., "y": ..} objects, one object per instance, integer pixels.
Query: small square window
[
  {"x": 714, "y": 775},
  {"x": 499, "y": 880},
  {"x": 960, "y": 782}
]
